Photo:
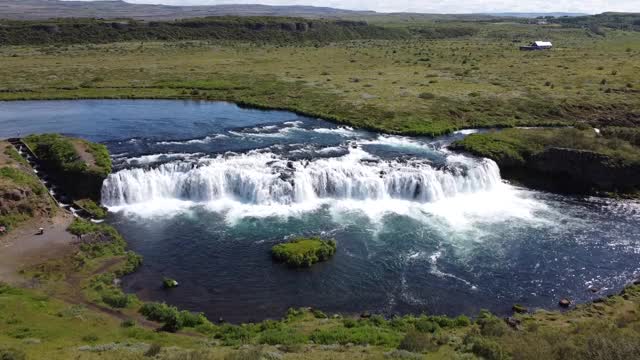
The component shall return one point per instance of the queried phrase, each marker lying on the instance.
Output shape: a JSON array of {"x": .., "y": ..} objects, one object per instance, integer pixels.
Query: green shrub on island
[{"x": 304, "y": 252}]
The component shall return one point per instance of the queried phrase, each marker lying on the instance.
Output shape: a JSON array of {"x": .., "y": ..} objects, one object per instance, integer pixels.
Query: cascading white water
[{"x": 265, "y": 179}]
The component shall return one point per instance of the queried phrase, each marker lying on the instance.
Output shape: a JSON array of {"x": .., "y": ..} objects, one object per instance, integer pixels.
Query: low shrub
[
  {"x": 416, "y": 341},
  {"x": 117, "y": 299},
  {"x": 491, "y": 325},
  {"x": 12, "y": 354},
  {"x": 426, "y": 325},
  {"x": 362, "y": 335},
  {"x": 153, "y": 350},
  {"x": 488, "y": 349},
  {"x": 318, "y": 314},
  {"x": 95, "y": 210},
  {"x": 283, "y": 336},
  {"x": 171, "y": 317},
  {"x": 233, "y": 335}
]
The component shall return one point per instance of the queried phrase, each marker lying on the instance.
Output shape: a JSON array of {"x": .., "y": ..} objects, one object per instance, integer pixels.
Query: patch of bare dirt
[{"x": 23, "y": 247}]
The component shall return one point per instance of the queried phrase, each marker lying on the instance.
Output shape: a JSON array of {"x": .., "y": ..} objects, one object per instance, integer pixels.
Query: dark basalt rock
[
  {"x": 589, "y": 168},
  {"x": 565, "y": 303}
]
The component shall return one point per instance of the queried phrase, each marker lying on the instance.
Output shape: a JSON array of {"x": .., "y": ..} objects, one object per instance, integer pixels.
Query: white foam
[
  {"x": 341, "y": 131},
  {"x": 150, "y": 159},
  {"x": 206, "y": 140},
  {"x": 398, "y": 142},
  {"x": 466, "y": 131}
]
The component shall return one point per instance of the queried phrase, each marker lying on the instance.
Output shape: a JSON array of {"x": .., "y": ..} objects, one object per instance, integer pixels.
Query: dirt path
[{"x": 23, "y": 247}]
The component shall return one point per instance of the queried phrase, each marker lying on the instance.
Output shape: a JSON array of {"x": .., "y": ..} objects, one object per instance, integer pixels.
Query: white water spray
[{"x": 268, "y": 179}]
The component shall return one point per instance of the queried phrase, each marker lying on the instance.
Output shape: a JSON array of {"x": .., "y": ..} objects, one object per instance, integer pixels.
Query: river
[{"x": 204, "y": 189}]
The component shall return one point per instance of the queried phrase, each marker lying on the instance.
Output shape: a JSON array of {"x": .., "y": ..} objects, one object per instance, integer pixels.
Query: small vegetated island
[{"x": 304, "y": 252}]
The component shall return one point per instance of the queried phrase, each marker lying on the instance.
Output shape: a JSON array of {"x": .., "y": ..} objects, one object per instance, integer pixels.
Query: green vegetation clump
[
  {"x": 13, "y": 154},
  {"x": 56, "y": 150},
  {"x": 78, "y": 166},
  {"x": 20, "y": 177},
  {"x": 23, "y": 196},
  {"x": 632, "y": 135},
  {"x": 304, "y": 252},
  {"x": 102, "y": 240},
  {"x": 172, "y": 318},
  {"x": 361, "y": 335},
  {"x": 12, "y": 354},
  {"x": 96, "y": 211}
]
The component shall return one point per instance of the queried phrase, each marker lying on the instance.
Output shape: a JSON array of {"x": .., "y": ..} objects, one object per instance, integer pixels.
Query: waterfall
[{"x": 269, "y": 179}]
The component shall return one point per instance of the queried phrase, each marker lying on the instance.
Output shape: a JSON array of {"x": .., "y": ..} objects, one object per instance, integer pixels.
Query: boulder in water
[
  {"x": 168, "y": 283},
  {"x": 564, "y": 302}
]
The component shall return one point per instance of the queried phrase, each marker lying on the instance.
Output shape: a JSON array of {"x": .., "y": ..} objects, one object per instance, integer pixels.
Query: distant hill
[
  {"x": 111, "y": 9},
  {"x": 536, "y": 14},
  {"x": 234, "y": 28},
  {"x": 47, "y": 9}
]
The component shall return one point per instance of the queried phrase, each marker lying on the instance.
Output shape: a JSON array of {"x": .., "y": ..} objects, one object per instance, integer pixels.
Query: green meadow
[{"x": 416, "y": 85}]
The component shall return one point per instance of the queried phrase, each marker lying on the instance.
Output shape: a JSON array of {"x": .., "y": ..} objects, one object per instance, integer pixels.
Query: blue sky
[{"x": 437, "y": 6}]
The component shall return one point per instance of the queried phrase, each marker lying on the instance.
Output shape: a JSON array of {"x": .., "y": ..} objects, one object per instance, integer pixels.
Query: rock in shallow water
[{"x": 565, "y": 303}]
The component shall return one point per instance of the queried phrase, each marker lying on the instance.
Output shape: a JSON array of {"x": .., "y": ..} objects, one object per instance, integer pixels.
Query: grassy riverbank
[
  {"x": 410, "y": 86},
  {"x": 34, "y": 323}
]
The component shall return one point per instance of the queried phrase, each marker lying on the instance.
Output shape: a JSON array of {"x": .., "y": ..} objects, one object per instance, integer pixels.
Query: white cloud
[{"x": 437, "y": 6}]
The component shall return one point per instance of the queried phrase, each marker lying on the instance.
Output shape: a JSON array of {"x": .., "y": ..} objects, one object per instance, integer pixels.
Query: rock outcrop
[{"x": 586, "y": 169}]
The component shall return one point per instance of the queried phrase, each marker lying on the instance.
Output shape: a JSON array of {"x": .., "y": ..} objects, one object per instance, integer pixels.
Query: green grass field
[{"x": 415, "y": 86}]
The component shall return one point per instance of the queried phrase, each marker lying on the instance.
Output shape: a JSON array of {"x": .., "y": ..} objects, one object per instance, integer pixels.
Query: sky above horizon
[{"x": 436, "y": 6}]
